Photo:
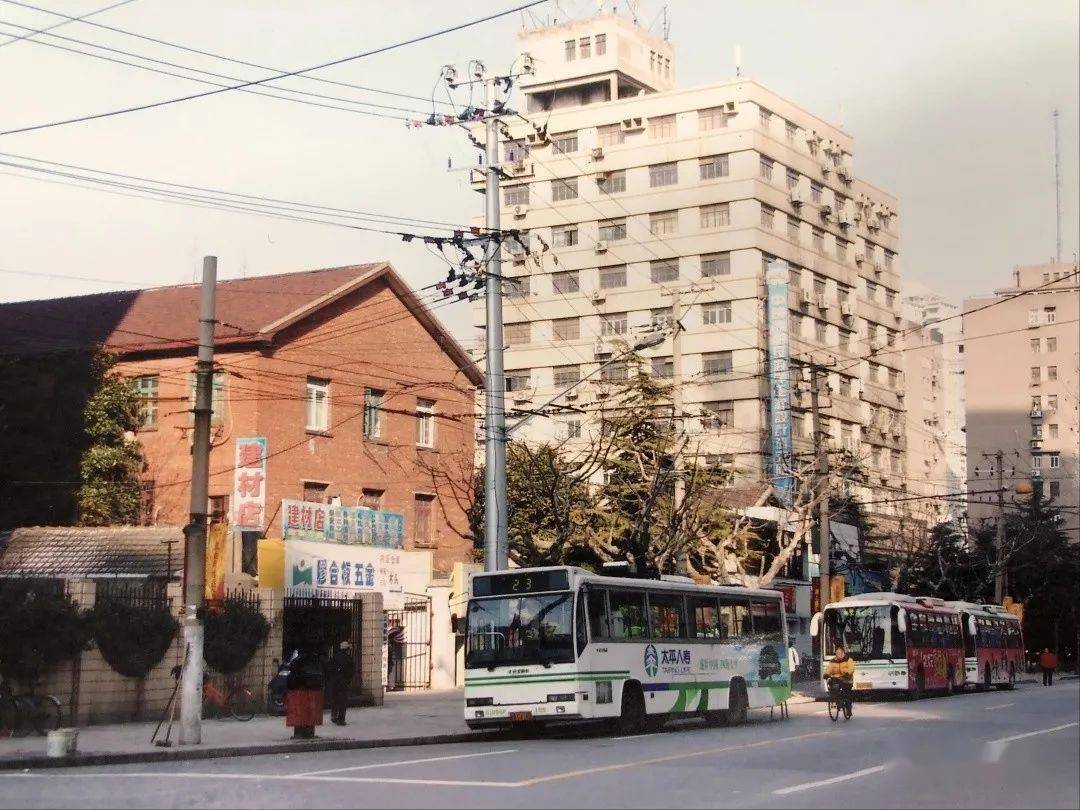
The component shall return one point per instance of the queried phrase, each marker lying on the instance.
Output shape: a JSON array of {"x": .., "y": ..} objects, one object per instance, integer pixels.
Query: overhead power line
[
  {"x": 65, "y": 21},
  {"x": 276, "y": 76},
  {"x": 211, "y": 54}
]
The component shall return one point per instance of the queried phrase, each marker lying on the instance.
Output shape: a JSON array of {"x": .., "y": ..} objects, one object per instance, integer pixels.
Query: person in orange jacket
[
  {"x": 1047, "y": 663},
  {"x": 840, "y": 671}
]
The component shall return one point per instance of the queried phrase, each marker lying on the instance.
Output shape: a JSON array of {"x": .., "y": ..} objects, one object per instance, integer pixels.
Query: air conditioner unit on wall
[
  {"x": 520, "y": 211},
  {"x": 597, "y": 152},
  {"x": 601, "y": 246}
]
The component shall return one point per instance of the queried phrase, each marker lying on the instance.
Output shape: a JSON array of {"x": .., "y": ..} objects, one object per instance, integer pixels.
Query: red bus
[
  {"x": 899, "y": 643},
  {"x": 993, "y": 645}
]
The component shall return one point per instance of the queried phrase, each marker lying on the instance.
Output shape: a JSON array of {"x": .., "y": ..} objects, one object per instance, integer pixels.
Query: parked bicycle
[
  {"x": 840, "y": 701},
  {"x": 236, "y": 701},
  {"x": 21, "y": 714}
]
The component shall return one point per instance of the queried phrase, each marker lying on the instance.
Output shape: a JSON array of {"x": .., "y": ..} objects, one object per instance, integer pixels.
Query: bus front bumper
[{"x": 509, "y": 714}]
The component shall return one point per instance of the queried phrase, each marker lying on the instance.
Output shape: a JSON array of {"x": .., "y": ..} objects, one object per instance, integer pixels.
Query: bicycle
[
  {"x": 21, "y": 714},
  {"x": 840, "y": 701},
  {"x": 11, "y": 717},
  {"x": 237, "y": 701}
]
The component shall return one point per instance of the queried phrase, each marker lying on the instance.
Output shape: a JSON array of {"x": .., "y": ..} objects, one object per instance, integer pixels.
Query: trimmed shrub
[
  {"x": 39, "y": 629},
  {"x": 233, "y": 633},
  {"x": 132, "y": 638}
]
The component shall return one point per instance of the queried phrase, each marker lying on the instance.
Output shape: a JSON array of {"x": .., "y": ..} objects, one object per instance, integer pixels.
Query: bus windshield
[
  {"x": 865, "y": 632},
  {"x": 520, "y": 630}
]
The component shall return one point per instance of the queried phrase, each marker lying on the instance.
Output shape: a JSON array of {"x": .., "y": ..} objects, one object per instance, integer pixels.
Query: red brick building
[{"x": 360, "y": 392}]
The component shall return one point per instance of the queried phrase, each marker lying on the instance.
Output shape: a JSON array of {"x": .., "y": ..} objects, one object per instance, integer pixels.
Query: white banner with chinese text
[{"x": 340, "y": 570}]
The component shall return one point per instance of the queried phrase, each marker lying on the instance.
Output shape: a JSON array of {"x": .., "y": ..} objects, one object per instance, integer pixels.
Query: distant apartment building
[
  {"x": 361, "y": 395},
  {"x": 1022, "y": 350},
  {"x": 934, "y": 372},
  {"x": 646, "y": 203}
]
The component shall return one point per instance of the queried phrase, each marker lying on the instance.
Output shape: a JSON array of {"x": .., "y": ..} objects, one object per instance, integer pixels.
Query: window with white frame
[
  {"x": 564, "y": 144},
  {"x": 790, "y": 131},
  {"x": 715, "y": 216},
  {"x": 612, "y": 230},
  {"x": 571, "y": 428},
  {"x": 516, "y": 195},
  {"x": 663, "y": 222},
  {"x": 663, "y": 174},
  {"x": 615, "y": 323},
  {"x": 373, "y": 412},
  {"x": 791, "y": 178},
  {"x": 765, "y": 167},
  {"x": 600, "y": 41},
  {"x": 712, "y": 167},
  {"x": 565, "y": 236},
  {"x": 585, "y": 47},
  {"x": 716, "y": 264},
  {"x": 610, "y": 135},
  {"x": 663, "y": 271},
  {"x": 146, "y": 389},
  {"x": 570, "y": 49},
  {"x": 768, "y": 217},
  {"x": 563, "y": 283},
  {"x": 716, "y": 363},
  {"x": 565, "y": 189},
  {"x": 425, "y": 422},
  {"x": 815, "y": 192},
  {"x": 716, "y": 313},
  {"x": 612, "y": 182},
  {"x": 712, "y": 118},
  {"x": 662, "y": 126},
  {"x": 217, "y": 398}
]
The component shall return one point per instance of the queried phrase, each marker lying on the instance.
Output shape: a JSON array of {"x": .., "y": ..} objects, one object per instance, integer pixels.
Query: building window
[
  {"x": 564, "y": 189},
  {"x": 717, "y": 415},
  {"x": 663, "y": 174},
  {"x": 716, "y": 264},
  {"x": 146, "y": 388},
  {"x": 768, "y": 217},
  {"x": 716, "y": 313},
  {"x": 572, "y": 429},
  {"x": 1036, "y": 374},
  {"x": 425, "y": 422},
  {"x": 600, "y": 40},
  {"x": 1051, "y": 403},
  {"x": 712, "y": 167},
  {"x": 566, "y": 375},
  {"x": 1051, "y": 373},
  {"x": 1055, "y": 489},
  {"x": 841, "y": 249},
  {"x": 791, "y": 178},
  {"x": 571, "y": 50},
  {"x": 612, "y": 230},
  {"x": 373, "y": 412},
  {"x": 764, "y": 117},
  {"x": 516, "y": 288},
  {"x": 564, "y": 144},
  {"x": 1050, "y": 314},
  {"x": 518, "y": 380},
  {"x": 1051, "y": 344},
  {"x": 894, "y": 378},
  {"x": 424, "y": 529},
  {"x": 819, "y": 239},
  {"x": 716, "y": 363},
  {"x": 146, "y": 502},
  {"x": 716, "y": 215},
  {"x": 790, "y": 131},
  {"x": 815, "y": 192},
  {"x": 314, "y": 491},
  {"x": 712, "y": 118},
  {"x": 662, "y": 126},
  {"x": 517, "y": 334},
  {"x": 566, "y": 329},
  {"x": 612, "y": 277},
  {"x": 217, "y": 398},
  {"x": 792, "y": 229},
  {"x": 585, "y": 47},
  {"x": 613, "y": 324},
  {"x": 317, "y": 416},
  {"x": 516, "y": 195},
  {"x": 513, "y": 151},
  {"x": 612, "y": 182},
  {"x": 663, "y": 367},
  {"x": 660, "y": 319},
  {"x": 564, "y": 237},
  {"x": 889, "y": 256},
  {"x": 890, "y": 298},
  {"x": 371, "y": 498},
  {"x": 1035, "y": 344},
  {"x": 664, "y": 271},
  {"x": 663, "y": 223},
  {"x": 820, "y": 331},
  {"x": 611, "y": 135},
  {"x": 562, "y": 283},
  {"x": 765, "y": 167},
  {"x": 1053, "y": 431},
  {"x": 612, "y": 372}
]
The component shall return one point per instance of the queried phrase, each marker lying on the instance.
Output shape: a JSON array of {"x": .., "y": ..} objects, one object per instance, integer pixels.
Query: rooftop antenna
[
  {"x": 632, "y": 6},
  {"x": 1057, "y": 186},
  {"x": 738, "y": 60}
]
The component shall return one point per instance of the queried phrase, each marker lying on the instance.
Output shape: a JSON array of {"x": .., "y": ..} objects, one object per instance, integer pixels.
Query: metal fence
[
  {"x": 318, "y": 624},
  {"x": 408, "y": 644}
]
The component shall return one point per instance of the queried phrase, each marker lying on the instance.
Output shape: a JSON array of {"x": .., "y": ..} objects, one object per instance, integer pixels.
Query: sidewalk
[{"x": 417, "y": 718}]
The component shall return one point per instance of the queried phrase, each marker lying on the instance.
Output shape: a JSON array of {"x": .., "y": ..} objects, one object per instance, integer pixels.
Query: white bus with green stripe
[{"x": 547, "y": 645}]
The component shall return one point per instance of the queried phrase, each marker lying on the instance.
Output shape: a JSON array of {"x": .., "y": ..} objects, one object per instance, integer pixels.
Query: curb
[{"x": 187, "y": 754}]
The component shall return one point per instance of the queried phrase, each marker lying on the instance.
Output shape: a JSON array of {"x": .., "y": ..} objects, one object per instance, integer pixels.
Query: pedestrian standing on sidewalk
[
  {"x": 793, "y": 659},
  {"x": 340, "y": 673},
  {"x": 1047, "y": 663}
]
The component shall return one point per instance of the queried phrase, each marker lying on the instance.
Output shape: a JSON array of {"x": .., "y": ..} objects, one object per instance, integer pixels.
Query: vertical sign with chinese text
[
  {"x": 776, "y": 279},
  {"x": 249, "y": 484}
]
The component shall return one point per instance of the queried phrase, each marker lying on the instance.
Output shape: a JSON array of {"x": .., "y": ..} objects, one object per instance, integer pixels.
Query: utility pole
[
  {"x": 495, "y": 505},
  {"x": 195, "y": 531},
  {"x": 1057, "y": 187},
  {"x": 999, "y": 535},
  {"x": 822, "y": 462}
]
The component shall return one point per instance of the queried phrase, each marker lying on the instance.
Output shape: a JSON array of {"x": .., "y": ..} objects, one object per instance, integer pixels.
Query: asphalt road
[{"x": 995, "y": 749}]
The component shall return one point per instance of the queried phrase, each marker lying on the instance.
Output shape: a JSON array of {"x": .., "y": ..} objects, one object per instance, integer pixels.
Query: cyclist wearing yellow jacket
[{"x": 841, "y": 666}]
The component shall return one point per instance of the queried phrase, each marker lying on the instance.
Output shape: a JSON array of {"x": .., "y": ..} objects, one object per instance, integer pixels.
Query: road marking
[
  {"x": 631, "y": 737},
  {"x": 995, "y": 748},
  {"x": 406, "y": 762},
  {"x": 669, "y": 758},
  {"x": 823, "y": 782},
  {"x": 823, "y": 711},
  {"x": 263, "y": 777},
  {"x": 998, "y": 706}
]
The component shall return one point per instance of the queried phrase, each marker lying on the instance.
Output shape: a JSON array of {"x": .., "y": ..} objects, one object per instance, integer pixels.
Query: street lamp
[{"x": 645, "y": 342}]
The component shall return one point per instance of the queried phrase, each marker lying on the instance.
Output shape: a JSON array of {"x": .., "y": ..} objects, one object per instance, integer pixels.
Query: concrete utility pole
[
  {"x": 1057, "y": 187},
  {"x": 495, "y": 505},
  {"x": 821, "y": 454},
  {"x": 999, "y": 535},
  {"x": 195, "y": 531},
  {"x": 681, "y": 563}
]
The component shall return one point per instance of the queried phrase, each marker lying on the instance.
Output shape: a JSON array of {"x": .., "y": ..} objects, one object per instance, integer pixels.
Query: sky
[{"x": 948, "y": 101}]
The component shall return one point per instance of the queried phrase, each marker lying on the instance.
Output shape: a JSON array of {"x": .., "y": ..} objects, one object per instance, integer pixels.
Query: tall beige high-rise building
[
  {"x": 1022, "y": 351},
  {"x": 645, "y": 202}
]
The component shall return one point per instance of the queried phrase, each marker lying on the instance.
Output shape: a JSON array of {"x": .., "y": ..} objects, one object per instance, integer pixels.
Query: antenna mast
[{"x": 1057, "y": 187}]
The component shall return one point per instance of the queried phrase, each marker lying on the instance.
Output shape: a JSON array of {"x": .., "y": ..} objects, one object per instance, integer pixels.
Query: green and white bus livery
[{"x": 559, "y": 644}]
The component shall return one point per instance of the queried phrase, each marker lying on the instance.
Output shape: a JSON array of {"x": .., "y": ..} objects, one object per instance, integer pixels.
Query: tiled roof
[{"x": 79, "y": 552}]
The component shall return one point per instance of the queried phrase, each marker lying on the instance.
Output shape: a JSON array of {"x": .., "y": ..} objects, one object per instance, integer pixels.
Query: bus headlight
[
  {"x": 563, "y": 698},
  {"x": 470, "y": 702}
]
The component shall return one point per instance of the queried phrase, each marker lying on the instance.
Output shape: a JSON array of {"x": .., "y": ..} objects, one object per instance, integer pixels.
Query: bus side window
[
  {"x": 899, "y": 648},
  {"x": 734, "y": 617},
  {"x": 704, "y": 616},
  {"x": 580, "y": 629},
  {"x": 766, "y": 619},
  {"x": 599, "y": 626},
  {"x": 627, "y": 611},
  {"x": 666, "y": 618}
]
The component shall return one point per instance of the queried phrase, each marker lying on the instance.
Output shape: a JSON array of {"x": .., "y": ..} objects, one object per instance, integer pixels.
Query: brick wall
[{"x": 366, "y": 340}]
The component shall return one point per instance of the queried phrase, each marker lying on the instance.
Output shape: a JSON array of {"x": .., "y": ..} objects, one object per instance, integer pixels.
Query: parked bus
[
  {"x": 899, "y": 643},
  {"x": 993, "y": 645},
  {"x": 559, "y": 644}
]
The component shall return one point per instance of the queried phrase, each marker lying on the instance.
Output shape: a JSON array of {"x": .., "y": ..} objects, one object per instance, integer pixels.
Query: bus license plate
[
  {"x": 521, "y": 715},
  {"x": 862, "y": 685}
]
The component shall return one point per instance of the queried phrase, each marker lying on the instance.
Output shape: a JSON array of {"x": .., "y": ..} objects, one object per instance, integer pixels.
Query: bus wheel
[
  {"x": 1012, "y": 679},
  {"x": 631, "y": 719},
  {"x": 737, "y": 704}
]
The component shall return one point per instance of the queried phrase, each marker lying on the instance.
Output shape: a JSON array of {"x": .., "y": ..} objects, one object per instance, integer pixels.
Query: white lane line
[
  {"x": 998, "y": 706},
  {"x": 407, "y": 762},
  {"x": 823, "y": 782},
  {"x": 996, "y": 748},
  {"x": 263, "y": 777},
  {"x": 631, "y": 737},
  {"x": 823, "y": 711}
]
